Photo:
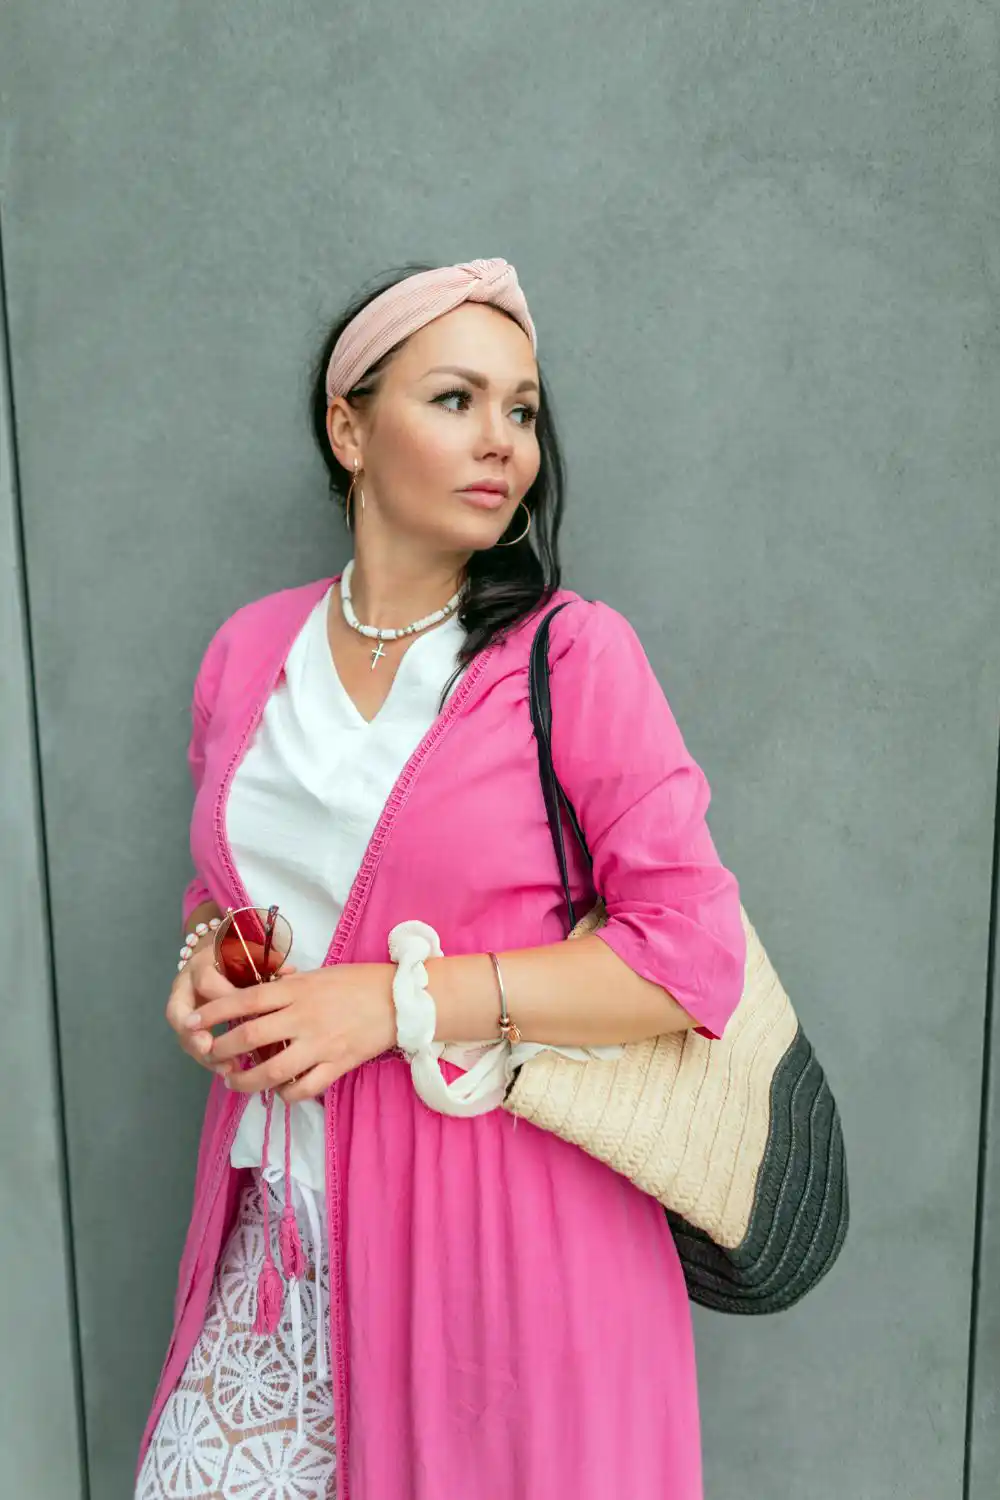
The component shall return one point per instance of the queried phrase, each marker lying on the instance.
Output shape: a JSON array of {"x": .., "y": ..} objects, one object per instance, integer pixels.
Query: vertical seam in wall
[
  {"x": 984, "y": 1144},
  {"x": 65, "y": 1195}
]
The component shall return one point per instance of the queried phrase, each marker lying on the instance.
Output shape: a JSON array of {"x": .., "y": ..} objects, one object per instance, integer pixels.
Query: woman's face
[{"x": 430, "y": 432}]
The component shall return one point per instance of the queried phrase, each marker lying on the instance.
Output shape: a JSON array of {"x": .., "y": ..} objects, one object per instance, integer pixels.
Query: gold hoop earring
[
  {"x": 524, "y": 533},
  {"x": 350, "y": 492}
]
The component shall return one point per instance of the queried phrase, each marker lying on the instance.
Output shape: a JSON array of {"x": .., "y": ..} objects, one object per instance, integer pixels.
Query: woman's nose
[{"x": 496, "y": 437}]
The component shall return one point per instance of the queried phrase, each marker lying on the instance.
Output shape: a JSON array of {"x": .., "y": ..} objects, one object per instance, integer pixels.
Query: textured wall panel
[
  {"x": 40, "y": 1450},
  {"x": 760, "y": 246}
]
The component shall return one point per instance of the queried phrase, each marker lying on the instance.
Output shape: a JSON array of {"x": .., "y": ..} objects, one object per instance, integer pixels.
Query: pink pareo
[{"x": 508, "y": 1317}]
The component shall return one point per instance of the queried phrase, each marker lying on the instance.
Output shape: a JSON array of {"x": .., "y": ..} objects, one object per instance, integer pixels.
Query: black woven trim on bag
[{"x": 801, "y": 1210}]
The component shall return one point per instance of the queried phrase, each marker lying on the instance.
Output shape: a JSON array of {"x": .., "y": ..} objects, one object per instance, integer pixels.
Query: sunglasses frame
[{"x": 269, "y": 916}]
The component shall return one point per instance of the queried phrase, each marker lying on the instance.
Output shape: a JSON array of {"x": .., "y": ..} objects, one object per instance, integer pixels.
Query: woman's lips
[{"x": 484, "y": 499}]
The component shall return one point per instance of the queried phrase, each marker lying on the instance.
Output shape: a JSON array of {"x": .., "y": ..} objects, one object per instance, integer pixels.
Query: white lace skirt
[{"x": 229, "y": 1426}]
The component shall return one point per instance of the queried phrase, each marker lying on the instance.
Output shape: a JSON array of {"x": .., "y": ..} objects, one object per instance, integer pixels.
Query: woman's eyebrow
[{"x": 476, "y": 379}]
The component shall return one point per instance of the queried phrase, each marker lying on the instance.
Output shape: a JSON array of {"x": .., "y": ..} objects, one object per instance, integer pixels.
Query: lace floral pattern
[{"x": 227, "y": 1431}]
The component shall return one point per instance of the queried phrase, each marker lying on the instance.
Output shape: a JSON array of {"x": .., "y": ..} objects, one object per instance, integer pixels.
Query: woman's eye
[
  {"x": 530, "y": 413},
  {"x": 453, "y": 395}
]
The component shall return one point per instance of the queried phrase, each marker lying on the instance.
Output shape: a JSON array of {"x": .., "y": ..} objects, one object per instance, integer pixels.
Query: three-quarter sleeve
[{"x": 641, "y": 800}]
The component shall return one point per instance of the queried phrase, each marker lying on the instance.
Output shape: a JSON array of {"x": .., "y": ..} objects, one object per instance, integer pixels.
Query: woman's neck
[{"x": 389, "y": 596}]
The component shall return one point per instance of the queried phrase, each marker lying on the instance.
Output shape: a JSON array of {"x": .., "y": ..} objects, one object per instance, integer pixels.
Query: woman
[{"x": 469, "y": 1307}]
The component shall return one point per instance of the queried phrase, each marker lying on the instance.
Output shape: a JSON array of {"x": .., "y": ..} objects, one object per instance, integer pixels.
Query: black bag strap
[{"x": 540, "y": 703}]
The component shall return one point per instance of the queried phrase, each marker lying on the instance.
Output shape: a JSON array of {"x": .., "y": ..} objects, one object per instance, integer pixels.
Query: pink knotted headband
[{"x": 415, "y": 301}]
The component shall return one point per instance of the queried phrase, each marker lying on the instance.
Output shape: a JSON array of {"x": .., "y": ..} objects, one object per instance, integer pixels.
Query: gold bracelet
[{"x": 508, "y": 1029}]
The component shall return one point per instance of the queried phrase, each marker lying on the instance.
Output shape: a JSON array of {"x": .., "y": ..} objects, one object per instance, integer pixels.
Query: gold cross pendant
[{"x": 376, "y": 655}]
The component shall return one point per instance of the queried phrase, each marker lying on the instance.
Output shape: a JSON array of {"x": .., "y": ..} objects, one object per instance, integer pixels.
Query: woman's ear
[{"x": 343, "y": 428}]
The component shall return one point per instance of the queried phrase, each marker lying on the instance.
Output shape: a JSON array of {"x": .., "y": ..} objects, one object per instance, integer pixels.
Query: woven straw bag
[{"x": 739, "y": 1138}]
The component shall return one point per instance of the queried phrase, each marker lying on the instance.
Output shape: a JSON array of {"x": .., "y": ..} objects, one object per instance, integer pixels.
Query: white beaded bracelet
[{"x": 201, "y": 930}]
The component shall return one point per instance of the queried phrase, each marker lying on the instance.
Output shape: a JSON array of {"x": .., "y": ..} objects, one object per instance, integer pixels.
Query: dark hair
[{"x": 505, "y": 584}]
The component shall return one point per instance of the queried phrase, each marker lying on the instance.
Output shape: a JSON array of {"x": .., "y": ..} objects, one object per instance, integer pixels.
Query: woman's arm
[
  {"x": 204, "y": 912},
  {"x": 569, "y": 994},
  {"x": 672, "y": 953}
]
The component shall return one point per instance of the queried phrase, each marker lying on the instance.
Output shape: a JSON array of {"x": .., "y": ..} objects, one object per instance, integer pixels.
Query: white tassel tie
[{"x": 273, "y": 1176}]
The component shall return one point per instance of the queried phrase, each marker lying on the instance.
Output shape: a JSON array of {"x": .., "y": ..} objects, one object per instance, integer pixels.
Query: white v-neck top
[{"x": 301, "y": 811}]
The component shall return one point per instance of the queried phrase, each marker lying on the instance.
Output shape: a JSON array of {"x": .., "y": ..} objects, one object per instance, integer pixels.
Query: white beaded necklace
[{"x": 373, "y": 632}]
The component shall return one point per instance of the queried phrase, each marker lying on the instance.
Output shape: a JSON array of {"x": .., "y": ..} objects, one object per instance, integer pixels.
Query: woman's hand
[
  {"x": 196, "y": 983},
  {"x": 333, "y": 1019}
]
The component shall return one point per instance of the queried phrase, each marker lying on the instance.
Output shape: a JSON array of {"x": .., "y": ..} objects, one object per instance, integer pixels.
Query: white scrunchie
[
  {"x": 483, "y": 1086},
  {"x": 475, "y": 1092}
]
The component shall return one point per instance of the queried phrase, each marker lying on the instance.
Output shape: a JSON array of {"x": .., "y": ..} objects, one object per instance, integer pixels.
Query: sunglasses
[{"x": 251, "y": 944}]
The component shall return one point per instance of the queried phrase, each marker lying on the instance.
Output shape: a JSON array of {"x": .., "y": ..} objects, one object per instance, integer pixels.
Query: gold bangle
[{"x": 509, "y": 1030}]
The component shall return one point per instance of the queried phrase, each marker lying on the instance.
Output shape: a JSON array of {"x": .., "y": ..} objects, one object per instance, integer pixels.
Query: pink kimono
[{"x": 508, "y": 1317}]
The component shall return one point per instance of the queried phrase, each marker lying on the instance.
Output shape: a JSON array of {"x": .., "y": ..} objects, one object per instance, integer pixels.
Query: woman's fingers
[
  {"x": 309, "y": 1085},
  {"x": 201, "y": 997},
  {"x": 258, "y": 1000},
  {"x": 196, "y": 1044},
  {"x": 180, "y": 1005},
  {"x": 209, "y": 984},
  {"x": 273, "y": 1073},
  {"x": 251, "y": 1035}
]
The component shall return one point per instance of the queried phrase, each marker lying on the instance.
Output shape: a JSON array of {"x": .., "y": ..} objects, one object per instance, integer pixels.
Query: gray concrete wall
[
  {"x": 984, "y": 1403},
  {"x": 760, "y": 246},
  {"x": 40, "y": 1437}
]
